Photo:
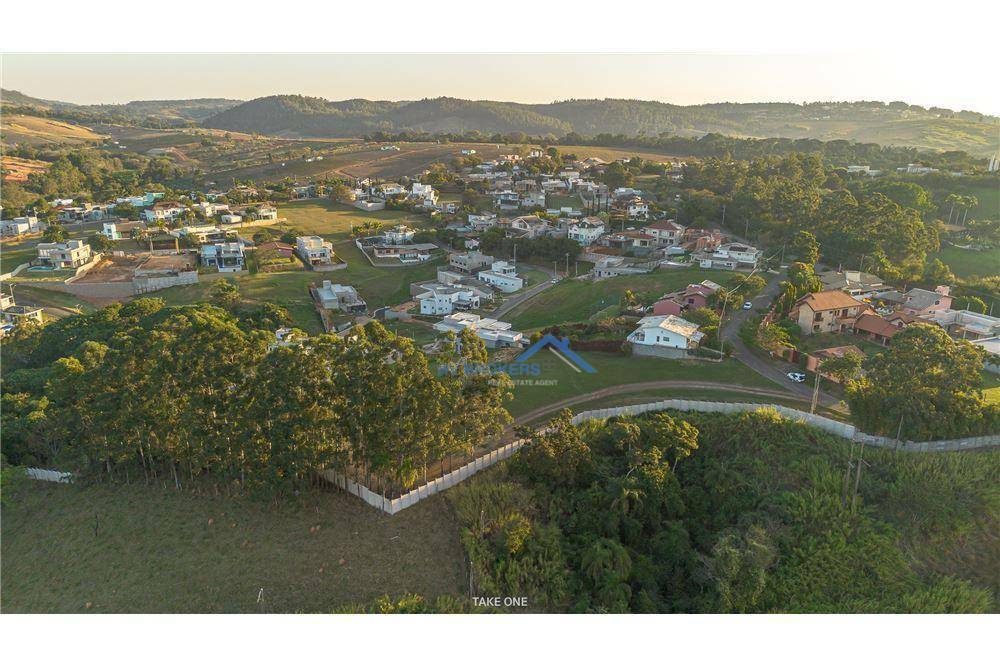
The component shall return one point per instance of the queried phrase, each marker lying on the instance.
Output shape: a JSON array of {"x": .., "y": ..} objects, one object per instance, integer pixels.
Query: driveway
[{"x": 528, "y": 294}]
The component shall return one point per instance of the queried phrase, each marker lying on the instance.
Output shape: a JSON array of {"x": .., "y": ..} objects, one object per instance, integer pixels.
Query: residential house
[
  {"x": 482, "y": 221},
  {"x": 198, "y": 234},
  {"x": 226, "y": 256},
  {"x": 612, "y": 266},
  {"x": 163, "y": 211},
  {"x": 334, "y": 296},
  {"x": 116, "y": 231},
  {"x": 314, "y": 250},
  {"x": 493, "y": 333},
  {"x": 407, "y": 254},
  {"x": 503, "y": 276},
  {"x": 22, "y": 225},
  {"x": 876, "y": 329},
  {"x": 827, "y": 312},
  {"x": 695, "y": 295},
  {"x": 436, "y": 299},
  {"x": 918, "y": 302},
  {"x": 14, "y": 313},
  {"x": 65, "y": 255},
  {"x": 666, "y": 232},
  {"x": 424, "y": 195},
  {"x": 967, "y": 324},
  {"x": 530, "y": 226},
  {"x": 637, "y": 209},
  {"x": 856, "y": 283},
  {"x": 470, "y": 262},
  {"x": 399, "y": 235},
  {"x": 586, "y": 231},
  {"x": 666, "y": 331},
  {"x": 390, "y": 190},
  {"x": 729, "y": 256},
  {"x": 506, "y": 200}
]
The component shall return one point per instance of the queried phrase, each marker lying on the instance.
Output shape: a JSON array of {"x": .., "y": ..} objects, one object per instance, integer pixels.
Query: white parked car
[
  {"x": 747, "y": 305},
  {"x": 796, "y": 377}
]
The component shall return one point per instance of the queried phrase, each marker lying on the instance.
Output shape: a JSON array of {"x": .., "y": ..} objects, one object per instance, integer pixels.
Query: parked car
[
  {"x": 747, "y": 305},
  {"x": 796, "y": 377}
]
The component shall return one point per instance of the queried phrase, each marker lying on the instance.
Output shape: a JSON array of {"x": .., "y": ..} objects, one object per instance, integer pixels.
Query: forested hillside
[
  {"x": 750, "y": 513},
  {"x": 890, "y": 124}
]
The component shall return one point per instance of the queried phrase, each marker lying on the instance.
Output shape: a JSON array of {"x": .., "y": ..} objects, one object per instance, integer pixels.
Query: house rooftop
[{"x": 829, "y": 300}]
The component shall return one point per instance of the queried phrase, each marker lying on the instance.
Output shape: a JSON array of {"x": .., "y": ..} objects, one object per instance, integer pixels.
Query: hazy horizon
[{"x": 675, "y": 79}]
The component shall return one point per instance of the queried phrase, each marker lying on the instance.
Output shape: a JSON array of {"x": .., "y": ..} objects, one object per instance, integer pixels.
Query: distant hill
[
  {"x": 895, "y": 123},
  {"x": 181, "y": 111}
]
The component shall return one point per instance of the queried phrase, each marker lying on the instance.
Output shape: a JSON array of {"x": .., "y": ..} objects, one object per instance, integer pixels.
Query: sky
[{"x": 928, "y": 78}]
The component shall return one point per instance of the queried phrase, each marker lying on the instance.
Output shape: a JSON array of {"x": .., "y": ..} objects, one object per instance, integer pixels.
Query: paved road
[
  {"x": 648, "y": 386},
  {"x": 772, "y": 369},
  {"x": 527, "y": 295}
]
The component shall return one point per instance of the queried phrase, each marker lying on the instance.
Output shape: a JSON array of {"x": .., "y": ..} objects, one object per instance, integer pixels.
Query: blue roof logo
[{"x": 560, "y": 346}]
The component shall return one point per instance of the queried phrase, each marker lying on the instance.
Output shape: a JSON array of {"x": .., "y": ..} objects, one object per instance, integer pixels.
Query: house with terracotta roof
[
  {"x": 919, "y": 302},
  {"x": 827, "y": 312},
  {"x": 817, "y": 357},
  {"x": 695, "y": 295},
  {"x": 666, "y": 232},
  {"x": 875, "y": 328}
]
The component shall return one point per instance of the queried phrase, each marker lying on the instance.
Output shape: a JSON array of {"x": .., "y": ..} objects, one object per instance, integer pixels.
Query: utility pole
[
  {"x": 847, "y": 474},
  {"x": 567, "y": 265},
  {"x": 815, "y": 398},
  {"x": 746, "y": 231},
  {"x": 515, "y": 254},
  {"x": 723, "y": 215},
  {"x": 857, "y": 476}
]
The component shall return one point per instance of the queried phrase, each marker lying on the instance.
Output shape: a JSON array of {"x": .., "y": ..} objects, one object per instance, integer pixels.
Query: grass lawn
[
  {"x": 966, "y": 263},
  {"x": 42, "y": 296},
  {"x": 72, "y": 548},
  {"x": 420, "y": 334},
  {"x": 13, "y": 256},
  {"x": 614, "y": 369},
  {"x": 991, "y": 387},
  {"x": 558, "y": 201},
  {"x": 378, "y": 286},
  {"x": 333, "y": 221},
  {"x": 578, "y": 300}
]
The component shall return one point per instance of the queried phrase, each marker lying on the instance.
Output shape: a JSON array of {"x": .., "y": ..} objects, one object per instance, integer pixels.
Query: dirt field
[
  {"x": 112, "y": 270},
  {"x": 17, "y": 169}
]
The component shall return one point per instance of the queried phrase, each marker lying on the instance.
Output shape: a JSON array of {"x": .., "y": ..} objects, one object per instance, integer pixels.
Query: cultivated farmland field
[{"x": 35, "y": 131}]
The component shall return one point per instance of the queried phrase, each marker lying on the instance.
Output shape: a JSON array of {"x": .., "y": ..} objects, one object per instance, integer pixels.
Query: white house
[
  {"x": 668, "y": 331},
  {"x": 730, "y": 256},
  {"x": 399, "y": 235},
  {"x": 503, "y": 276},
  {"x": 492, "y": 332},
  {"x": 424, "y": 194},
  {"x": 391, "y": 189},
  {"x": 446, "y": 299},
  {"x": 638, "y": 210},
  {"x": 165, "y": 210},
  {"x": 116, "y": 231},
  {"x": 666, "y": 232},
  {"x": 226, "y": 256},
  {"x": 314, "y": 250},
  {"x": 23, "y": 225},
  {"x": 335, "y": 296},
  {"x": 66, "y": 255},
  {"x": 232, "y": 218},
  {"x": 586, "y": 231},
  {"x": 481, "y": 221}
]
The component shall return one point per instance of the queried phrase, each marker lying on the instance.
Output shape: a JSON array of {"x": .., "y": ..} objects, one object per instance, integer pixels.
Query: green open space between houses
[
  {"x": 579, "y": 300},
  {"x": 333, "y": 221},
  {"x": 967, "y": 263}
]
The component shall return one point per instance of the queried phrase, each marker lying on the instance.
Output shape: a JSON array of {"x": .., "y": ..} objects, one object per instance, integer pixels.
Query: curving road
[{"x": 648, "y": 386}]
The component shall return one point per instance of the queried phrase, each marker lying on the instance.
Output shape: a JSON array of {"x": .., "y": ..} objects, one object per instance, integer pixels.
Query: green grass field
[
  {"x": 968, "y": 263},
  {"x": 614, "y": 369},
  {"x": 77, "y": 548},
  {"x": 13, "y": 256},
  {"x": 333, "y": 221},
  {"x": 578, "y": 300}
]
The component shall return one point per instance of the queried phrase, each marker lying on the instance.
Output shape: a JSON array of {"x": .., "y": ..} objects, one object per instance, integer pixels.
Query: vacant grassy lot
[
  {"x": 613, "y": 370},
  {"x": 17, "y": 169},
  {"x": 11, "y": 256},
  {"x": 39, "y": 295},
  {"x": 378, "y": 286},
  {"x": 77, "y": 548},
  {"x": 968, "y": 263},
  {"x": 333, "y": 221},
  {"x": 577, "y": 300}
]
